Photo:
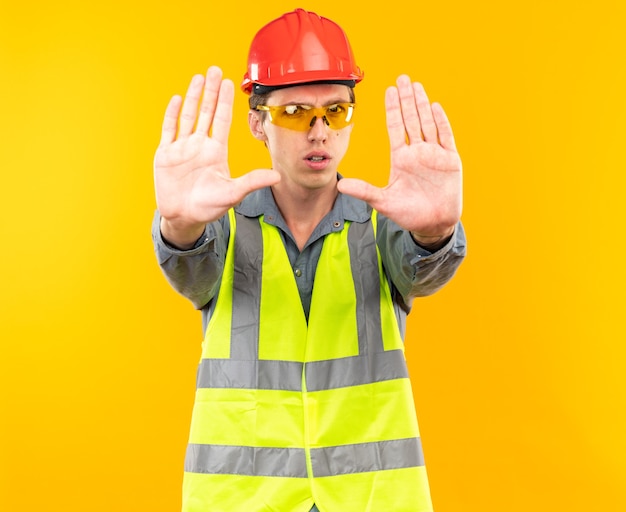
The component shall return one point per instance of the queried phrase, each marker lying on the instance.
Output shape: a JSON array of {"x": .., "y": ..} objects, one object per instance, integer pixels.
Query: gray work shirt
[{"x": 411, "y": 270}]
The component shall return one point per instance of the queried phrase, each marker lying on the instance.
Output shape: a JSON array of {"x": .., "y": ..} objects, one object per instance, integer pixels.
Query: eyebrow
[{"x": 328, "y": 103}]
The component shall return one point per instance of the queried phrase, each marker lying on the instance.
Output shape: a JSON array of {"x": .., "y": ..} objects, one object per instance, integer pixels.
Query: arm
[
  {"x": 194, "y": 273},
  {"x": 194, "y": 189},
  {"x": 414, "y": 270}
]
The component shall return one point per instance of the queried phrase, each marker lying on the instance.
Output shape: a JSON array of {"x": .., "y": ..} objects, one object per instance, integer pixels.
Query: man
[{"x": 304, "y": 279}]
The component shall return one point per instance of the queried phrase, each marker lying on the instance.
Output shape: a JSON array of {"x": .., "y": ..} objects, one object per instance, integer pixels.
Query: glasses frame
[{"x": 305, "y": 123}]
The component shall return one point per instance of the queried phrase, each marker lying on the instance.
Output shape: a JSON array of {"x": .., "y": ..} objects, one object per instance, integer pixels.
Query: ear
[{"x": 256, "y": 125}]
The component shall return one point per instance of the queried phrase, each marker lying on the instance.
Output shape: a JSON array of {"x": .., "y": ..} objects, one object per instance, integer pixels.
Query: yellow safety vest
[{"x": 288, "y": 414}]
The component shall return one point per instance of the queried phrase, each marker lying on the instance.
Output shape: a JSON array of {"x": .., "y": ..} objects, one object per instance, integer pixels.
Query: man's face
[{"x": 309, "y": 158}]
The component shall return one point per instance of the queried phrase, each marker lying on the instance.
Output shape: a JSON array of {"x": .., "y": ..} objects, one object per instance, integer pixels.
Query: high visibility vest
[{"x": 289, "y": 413}]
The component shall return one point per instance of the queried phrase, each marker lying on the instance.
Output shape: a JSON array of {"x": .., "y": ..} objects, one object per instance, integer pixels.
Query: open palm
[
  {"x": 424, "y": 193},
  {"x": 191, "y": 174}
]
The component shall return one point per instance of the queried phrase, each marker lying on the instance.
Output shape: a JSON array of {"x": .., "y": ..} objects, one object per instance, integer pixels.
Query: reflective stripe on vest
[{"x": 290, "y": 412}]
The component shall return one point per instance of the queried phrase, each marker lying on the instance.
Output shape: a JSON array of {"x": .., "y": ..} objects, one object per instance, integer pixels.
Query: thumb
[
  {"x": 254, "y": 180},
  {"x": 361, "y": 190}
]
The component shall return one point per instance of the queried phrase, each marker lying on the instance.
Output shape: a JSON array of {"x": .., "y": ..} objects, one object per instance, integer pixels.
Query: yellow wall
[{"x": 518, "y": 364}]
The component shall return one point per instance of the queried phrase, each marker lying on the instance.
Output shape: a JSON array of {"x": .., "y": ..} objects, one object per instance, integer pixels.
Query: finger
[
  {"x": 427, "y": 121},
  {"x": 170, "y": 121},
  {"x": 254, "y": 180},
  {"x": 209, "y": 99},
  {"x": 395, "y": 123},
  {"x": 446, "y": 137},
  {"x": 190, "y": 106},
  {"x": 223, "y": 112},
  {"x": 361, "y": 190},
  {"x": 409, "y": 109}
]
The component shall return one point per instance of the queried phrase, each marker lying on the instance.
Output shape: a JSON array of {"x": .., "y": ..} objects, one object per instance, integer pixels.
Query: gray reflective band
[
  {"x": 233, "y": 374},
  {"x": 287, "y": 375},
  {"x": 246, "y": 289},
  {"x": 355, "y": 371},
  {"x": 362, "y": 458},
  {"x": 291, "y": 462},
  {"x": 245, "y": 460},
  {"x": 364, "y": 264}
]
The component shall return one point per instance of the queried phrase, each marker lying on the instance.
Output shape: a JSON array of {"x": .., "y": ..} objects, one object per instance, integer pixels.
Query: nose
[{"x": 319, "y": 130}]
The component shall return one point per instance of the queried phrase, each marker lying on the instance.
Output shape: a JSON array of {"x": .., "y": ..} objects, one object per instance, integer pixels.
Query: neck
[{"x": 304, "y": 209}]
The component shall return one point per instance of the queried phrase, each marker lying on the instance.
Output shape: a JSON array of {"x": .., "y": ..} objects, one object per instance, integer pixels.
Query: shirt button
[{"x": 298, "y": 272}]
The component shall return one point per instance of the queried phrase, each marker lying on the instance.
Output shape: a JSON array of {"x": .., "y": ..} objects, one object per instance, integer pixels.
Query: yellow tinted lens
[
  {"x": 339, "y": 115},
  {"x": 294, "y": 117},
  {"x": 302, "y": 117}
]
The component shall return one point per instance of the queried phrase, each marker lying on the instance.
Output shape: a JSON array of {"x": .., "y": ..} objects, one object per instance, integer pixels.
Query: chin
[{"x": 320, "y": 179}]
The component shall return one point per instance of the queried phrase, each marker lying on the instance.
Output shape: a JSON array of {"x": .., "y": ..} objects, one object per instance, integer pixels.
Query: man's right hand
[{"x": 191, "y": 174}]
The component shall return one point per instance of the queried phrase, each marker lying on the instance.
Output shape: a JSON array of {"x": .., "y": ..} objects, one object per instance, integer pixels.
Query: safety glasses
[{"x": 303, "y": 117}]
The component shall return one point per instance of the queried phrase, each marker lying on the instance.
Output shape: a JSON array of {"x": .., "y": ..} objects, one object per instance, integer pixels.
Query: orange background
[{"x": 518, "y": 363}]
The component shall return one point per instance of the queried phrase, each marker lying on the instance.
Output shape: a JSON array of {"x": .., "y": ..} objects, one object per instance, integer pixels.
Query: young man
[{"x": 304, "y": 279}]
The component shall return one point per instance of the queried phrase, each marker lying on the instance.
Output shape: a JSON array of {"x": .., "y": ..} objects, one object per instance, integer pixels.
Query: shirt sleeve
[
  {"x": 194, "y": 273},
  {"x": 413, "y": 270}
]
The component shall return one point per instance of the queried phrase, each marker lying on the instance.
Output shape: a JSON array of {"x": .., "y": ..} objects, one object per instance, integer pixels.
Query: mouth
[{"x": 317, "y": 157}]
